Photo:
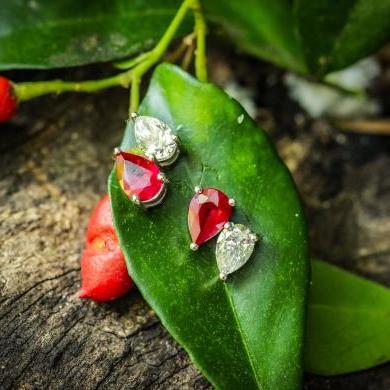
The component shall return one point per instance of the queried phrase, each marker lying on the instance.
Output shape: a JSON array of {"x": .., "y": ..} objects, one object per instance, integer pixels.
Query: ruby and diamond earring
[
  {"x": 209, "y": 212},
  {"x": 156, "y": 139},
  {"x": 210, "y": 209},
  {"x": 140, "y": 176}
]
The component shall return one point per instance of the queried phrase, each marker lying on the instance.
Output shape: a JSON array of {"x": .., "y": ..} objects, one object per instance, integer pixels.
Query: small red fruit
[
  {"x": 103, "y": 267},
  {"x": 8, "y": 102},
  {"x": 100, "y": 220}
]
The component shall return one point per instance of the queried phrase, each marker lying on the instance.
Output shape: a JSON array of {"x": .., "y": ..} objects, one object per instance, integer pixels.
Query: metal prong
[
  {"x": 193, "y": 246},
  {"x": 152, "y": 157},
  {"x": 135, "y": 199},
  {"x": 232, "y": 202},
  {"x": 116, "y": 152},
  {"x": 223, "y": 276},
  {"x": 133, "y": 115},
  {"x": 198, "y": 189},
  {"x": 254, "y": 237},
  {"x": 228, "y": 225},
  {"x": 162, "y": 178}
]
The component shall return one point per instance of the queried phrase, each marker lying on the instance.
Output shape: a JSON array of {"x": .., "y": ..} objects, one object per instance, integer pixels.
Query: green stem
[
  {"x": 130, "y": 63},
  {"x": 345, "y": 91},
  {"x": 140, "y": 64},
  {"x": 134, "y": 94},
  {"x": 156, "y": 54},
  {"x": 30, "y": 90},
  {"x": 200, "y": 31}
]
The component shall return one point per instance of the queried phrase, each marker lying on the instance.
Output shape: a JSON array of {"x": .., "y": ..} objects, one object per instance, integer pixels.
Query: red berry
[
  {"x": 103, "y": 267},
  {"x": 100, "y": 220},
  {"x": 8, "y": 102}
]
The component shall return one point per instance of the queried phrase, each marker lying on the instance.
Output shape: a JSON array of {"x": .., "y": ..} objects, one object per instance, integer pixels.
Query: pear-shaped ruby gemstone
[
  {"x": 208, "y": 212},
  {"x": 138, "y": 176}
]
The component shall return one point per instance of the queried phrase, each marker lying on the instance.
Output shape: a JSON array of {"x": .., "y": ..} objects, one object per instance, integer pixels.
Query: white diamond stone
[
  {"x": 155, "y": 138},
  {"x": 235, "y": 246}
]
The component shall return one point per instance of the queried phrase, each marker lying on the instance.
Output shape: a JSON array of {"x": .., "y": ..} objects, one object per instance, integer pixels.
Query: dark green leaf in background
[
  {"x": 247, "y": 333},
  {"x": 61, "y": 33},
  {"x": 348, "y": 326},
  {"x": 302, "y": 35},
  {"x": 261, "y": 27},
  {"x": 335, "y": 34}
]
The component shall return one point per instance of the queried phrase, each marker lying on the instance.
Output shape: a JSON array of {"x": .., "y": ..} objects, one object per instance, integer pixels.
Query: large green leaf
[
  {"x": 246, "y": 333},
  {"x": 302, "y": 35},
  {"x": 335, "y": 34},
  {"x": 348, "y": 325},
  {"x": 60, "y": 33},
  {"x": 261, "y": 27}
]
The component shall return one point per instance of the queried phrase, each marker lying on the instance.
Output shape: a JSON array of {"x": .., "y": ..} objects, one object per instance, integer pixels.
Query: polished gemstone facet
[
  {"x": 155, "y": 138},
  {"x": 209, "y": 210},
  {"x": 235, "y": 245},
  {"x": 138, "y": 176}
]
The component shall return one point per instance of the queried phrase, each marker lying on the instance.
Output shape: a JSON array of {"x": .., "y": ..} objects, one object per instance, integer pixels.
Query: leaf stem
[
  {"x": 29, "y": 90},
  {"x": 156, "y": 53},
  {"x": 131, "y": 62},
  {"x": 134, "y": 94},
  {"x": 342, "y": 89},
  {"x": 139, "y": 65},
  {"x": 200, "y": 31}
]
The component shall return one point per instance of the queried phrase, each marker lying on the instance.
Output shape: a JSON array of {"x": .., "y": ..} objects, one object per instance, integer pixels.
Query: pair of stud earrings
[{"x": 209, "y": 210}]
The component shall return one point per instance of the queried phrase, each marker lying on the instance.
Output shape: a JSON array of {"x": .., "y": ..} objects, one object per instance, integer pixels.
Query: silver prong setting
[
  {"x": 232, "y": 202},
  {"x": 152, "y": 202},
  {"x": 152, "y": 157},
  {"x": 223, "y": 277},
  {"x": 162, "y": 178},
  {"x": 253, "y": 237},
  {"x": 133, "y": 116},
  {"x": 198, "y": 190},
  {"x": 193, "y": 246},
  {"x": 135, "y": 199},
  {"x": 228, "y": 225},
  {"x": 116, "y": 152}
]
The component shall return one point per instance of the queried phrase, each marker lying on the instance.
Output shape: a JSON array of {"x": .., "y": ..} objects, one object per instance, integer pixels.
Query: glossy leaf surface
[
  {"x": 348, "y": 326},
  {"x": 336, "y": 34},
  {"x": 61, "y": 33},
  {"x": 263, "y": 28},
  {"x": 247, "y": 332},
  {"x": 302, "y": 35}
]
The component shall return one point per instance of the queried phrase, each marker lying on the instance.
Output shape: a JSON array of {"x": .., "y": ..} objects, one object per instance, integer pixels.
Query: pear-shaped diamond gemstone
[
  {"x": 155, "y": 138},
  {"x": 235, "y": 246}
]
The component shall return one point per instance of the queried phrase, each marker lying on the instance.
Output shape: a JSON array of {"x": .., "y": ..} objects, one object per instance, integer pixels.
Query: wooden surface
[{"x": 54, "y": 161}]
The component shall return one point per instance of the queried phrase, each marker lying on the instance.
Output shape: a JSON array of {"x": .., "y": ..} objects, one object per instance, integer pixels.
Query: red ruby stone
[
  {"x": 208, "y": 212},
  {"x": 138, "y": 176}
]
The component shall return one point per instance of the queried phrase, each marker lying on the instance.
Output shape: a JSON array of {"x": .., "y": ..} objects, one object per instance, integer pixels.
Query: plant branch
[
  {"x": 156, "y": 54},
  {"x": 368, "y": 126},
  {"x": 341, "y": 89},
  {"x": 136, "y": 67},
  {"x": 29, "y": 90},
  {"x": 178, "y": 53},
  {"x": 131, "y": 62},
  {"x": 200, "y": 31}
]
